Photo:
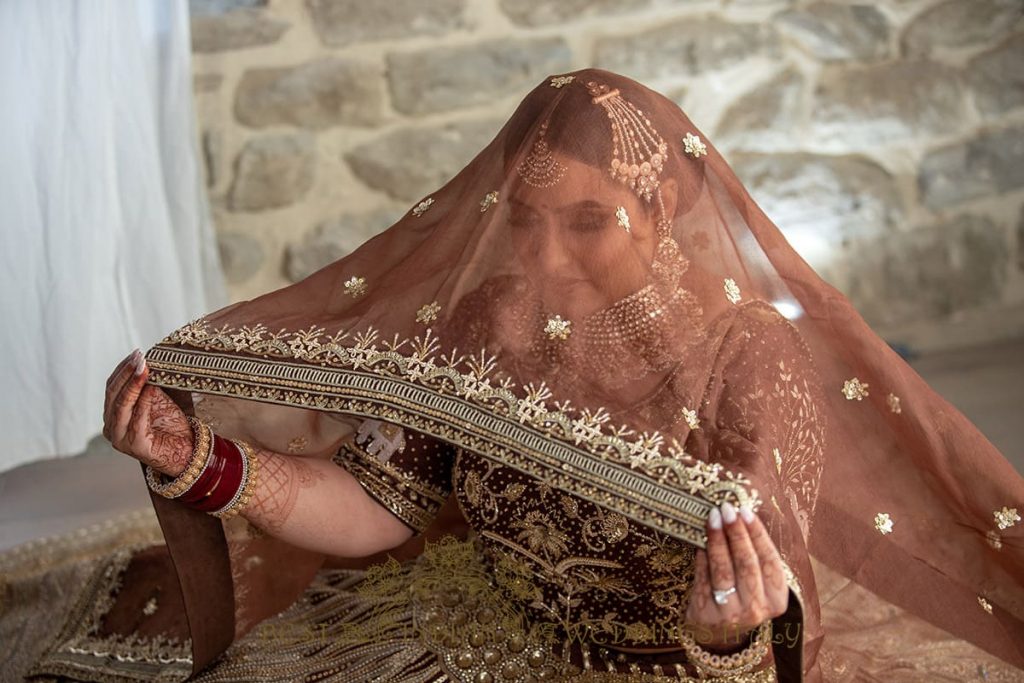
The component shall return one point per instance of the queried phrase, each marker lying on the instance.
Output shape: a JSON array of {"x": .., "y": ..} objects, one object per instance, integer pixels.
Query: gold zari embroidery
[
  {"x": 410, "y": 500},
  {"x": 461, "y": 400},
  {"x": 355, "y": 286},
  {"x": 854, "y": 389},
  {"x": 78, "y": 651},
  {"x": 693, "y": 146},
  {"x": 428, "y": 312},
  {"x": 422, "y": 207},
  {"x": 732, "y": 290},
  {"x": 479, "y": 634},
  {"x": 490, "y": 199},
  {"x": 623, "y": 218},
  {"x": 1006, "y": 517},
  {"x": 557, "y": 328}
]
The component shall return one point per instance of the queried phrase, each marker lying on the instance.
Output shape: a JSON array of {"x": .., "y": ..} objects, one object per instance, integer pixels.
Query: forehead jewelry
[
  {"x": 639, "y": 152},
  {"x": 540, "y": 168}
]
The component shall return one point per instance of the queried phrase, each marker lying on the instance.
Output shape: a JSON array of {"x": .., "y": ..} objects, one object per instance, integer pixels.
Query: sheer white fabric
[{"x": 106, "y": 239}]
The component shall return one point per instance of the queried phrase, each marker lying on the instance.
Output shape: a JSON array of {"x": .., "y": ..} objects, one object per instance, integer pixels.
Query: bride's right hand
[{"x": 143, "y": 421}]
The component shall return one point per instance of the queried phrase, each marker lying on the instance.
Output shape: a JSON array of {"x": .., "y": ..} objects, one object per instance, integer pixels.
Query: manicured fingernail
[
  {"x": 728, "y": 512},
  {"x": 140, "y": 363},
  {"x": 746, "y": 513},
  {"x": 715, "y": 519}
]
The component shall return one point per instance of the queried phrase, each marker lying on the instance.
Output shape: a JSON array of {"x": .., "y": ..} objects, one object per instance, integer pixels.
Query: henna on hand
[
  {"x": 741, "y": 555},
  {"x": 281, "y": 477},
  {"x": 143, "y": 421},
  {"x": 168, "y": 433}
]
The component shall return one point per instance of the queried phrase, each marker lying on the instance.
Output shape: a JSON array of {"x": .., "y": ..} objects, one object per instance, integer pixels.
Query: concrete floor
[{"x": 56, "y": 496}]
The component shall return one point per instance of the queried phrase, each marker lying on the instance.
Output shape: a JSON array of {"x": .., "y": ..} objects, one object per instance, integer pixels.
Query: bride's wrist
[
  {"x": 725, "y": 643},
  {"x": 739, "y": 654}
]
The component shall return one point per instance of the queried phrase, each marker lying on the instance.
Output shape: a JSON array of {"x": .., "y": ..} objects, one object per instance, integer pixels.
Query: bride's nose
[{"x": 553, "y": 259}]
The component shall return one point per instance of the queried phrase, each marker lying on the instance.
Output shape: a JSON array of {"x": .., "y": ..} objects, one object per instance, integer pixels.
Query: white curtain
[{"x": 106, "y": 239}]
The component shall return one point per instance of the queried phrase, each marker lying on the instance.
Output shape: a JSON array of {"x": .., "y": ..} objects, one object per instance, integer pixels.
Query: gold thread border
[{"x": 376, "y": 392}]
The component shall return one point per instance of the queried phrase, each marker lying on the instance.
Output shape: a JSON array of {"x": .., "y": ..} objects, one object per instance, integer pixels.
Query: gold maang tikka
[
  {"x": 639, "y": 153},
  {"x": 540, "y": 168}
]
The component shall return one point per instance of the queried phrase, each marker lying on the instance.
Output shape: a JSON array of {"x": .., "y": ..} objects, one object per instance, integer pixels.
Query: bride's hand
[
  {"x": 743, "y": 555},
  {"x": 143, "y": 421}
]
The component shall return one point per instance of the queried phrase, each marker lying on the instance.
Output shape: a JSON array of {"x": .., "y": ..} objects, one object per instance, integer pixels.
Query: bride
[{"x": 632, "y": 432}]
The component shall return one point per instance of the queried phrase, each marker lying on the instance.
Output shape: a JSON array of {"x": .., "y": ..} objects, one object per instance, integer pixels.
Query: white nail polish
[
  {"x": 140, "y": 363},
  {"x": 746, "y": 513},
  {"x": 728, "y": 512},
  {"x": 715, "y": 519}
]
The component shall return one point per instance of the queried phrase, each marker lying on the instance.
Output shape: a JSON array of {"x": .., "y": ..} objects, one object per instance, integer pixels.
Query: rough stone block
[
  {"x": 333, "y": 240},
  {"x": 240, "y": 255},
  {"x": 960, "y": 23},
  {"x": 273, "y": 171},
  {"x": 446, "y": 78},
  {"x": 341, "y": 22},
  {"x": 232, "y": 25},
  {"x": 989, "y": 164},
  {"x": 891, "y": 101},
  {"x": 685, "y": 46},
  {"x": 833, "y": 32},
  {"x": 771, "y": 110},
  {"x": 412, "y": 162},
  {"x": 997, "y": 77},
  {"x": 320, "y": 94},
  {"x": 545, "y": 12}
]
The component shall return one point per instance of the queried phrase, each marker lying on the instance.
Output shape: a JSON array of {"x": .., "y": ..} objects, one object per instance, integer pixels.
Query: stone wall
[{"x": 886, "y": 139}]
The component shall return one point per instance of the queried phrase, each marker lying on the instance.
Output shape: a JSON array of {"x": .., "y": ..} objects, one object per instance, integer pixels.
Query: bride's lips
[{"x": 563, "y": 283}]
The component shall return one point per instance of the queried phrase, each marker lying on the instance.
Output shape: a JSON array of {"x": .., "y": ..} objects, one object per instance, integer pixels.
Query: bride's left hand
[{"x": 740, "y": 553}]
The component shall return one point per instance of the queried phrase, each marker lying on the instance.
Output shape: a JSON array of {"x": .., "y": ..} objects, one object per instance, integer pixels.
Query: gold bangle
[
  {"x": 202, "y": 440},
  {"x": 250, "y": 472},
  {"x": 711, "y": 664}
]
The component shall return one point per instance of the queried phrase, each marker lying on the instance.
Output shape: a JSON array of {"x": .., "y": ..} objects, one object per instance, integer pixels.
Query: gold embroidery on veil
[{"x": 471, "y": 406}]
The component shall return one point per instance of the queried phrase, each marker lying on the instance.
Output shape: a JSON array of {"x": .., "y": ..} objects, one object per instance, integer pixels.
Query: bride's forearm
[{"x": 316, "y": 504}]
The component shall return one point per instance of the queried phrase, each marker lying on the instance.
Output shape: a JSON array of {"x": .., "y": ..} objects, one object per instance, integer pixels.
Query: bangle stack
[
  {"x": 202, "y": 441},
  {"x": 219, "y": 478},
  {"x": 709, "y": 664}
]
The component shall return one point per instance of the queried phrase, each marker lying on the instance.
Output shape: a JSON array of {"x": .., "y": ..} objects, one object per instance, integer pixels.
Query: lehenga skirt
[
  {"x": 432, "y": 618},
  {"x": 436, "y": 617}
]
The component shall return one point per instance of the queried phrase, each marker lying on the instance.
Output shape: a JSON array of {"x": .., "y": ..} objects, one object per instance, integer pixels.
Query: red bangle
[
  {"x": 230, "y": 480},
  {"x": 207, "y": 482}
]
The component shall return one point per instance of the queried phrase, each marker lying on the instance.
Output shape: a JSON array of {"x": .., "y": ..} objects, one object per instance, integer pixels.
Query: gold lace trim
[
  {"x": 408, "y": 498},
  {"x": 78, "y": 651},
  {"x": 459, "y": 399}
]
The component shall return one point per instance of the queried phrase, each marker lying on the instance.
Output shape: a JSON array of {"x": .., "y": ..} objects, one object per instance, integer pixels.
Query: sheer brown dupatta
[
  {"x": 903, "y": 457},
  {"x": 596, "y": 300}
]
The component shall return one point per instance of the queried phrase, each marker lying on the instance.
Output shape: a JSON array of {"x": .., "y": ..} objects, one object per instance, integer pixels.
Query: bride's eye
[
  {"x": 518, "y": 218},
  {"x": 588, "y": 221}
]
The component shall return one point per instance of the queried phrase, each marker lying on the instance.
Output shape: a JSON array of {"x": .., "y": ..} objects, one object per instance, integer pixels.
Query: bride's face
[{"x": 570, "y": 242}]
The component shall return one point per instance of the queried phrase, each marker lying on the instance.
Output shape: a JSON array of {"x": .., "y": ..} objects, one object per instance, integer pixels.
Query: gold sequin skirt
[{"x": 437, "y": 617}]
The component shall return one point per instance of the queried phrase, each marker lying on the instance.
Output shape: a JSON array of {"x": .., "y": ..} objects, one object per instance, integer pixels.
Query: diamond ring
[{"x": 722, "y": 597}]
